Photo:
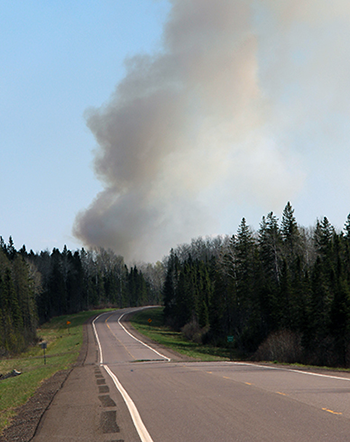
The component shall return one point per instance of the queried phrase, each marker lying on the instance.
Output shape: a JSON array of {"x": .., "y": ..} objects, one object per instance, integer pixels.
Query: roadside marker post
[
  {"x": 68, "y": 323},
  {"x": 44, "y": 347}
]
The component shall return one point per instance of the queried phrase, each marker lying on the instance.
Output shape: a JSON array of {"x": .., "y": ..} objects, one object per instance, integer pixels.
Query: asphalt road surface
[
  {"x": 221, "y": 401},
  {"x": 130, "y": 392}
]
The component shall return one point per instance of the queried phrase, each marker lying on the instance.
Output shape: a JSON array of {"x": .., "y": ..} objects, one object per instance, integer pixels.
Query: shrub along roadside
[
  {"x": 176, "y": 341},
  {"x": 63, "y": 346},
  {"x": 150, "y": 323}
]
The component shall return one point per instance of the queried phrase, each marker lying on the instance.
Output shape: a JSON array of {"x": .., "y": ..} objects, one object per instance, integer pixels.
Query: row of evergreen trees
[
  {"x": 283, "y": 280},
  {"x": 34, "y": 287},
  {"x": 18, "y": 313},
  {"x": 283, "y": 287}
]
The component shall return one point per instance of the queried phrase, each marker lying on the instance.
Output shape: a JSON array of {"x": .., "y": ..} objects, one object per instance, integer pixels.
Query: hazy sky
[{"x": 146, "y": 123}]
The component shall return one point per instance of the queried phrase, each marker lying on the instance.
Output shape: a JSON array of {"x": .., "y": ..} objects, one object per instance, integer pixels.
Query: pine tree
[
  {"x": 290, "y": 234},
  {"x": 25, "y": 293},
  {"x": 11, "y": 251},
  {"x": 323, "y": 238},
  {"x": 57, "y": 294},
  {"x": 346, "y": 249},
  {"x": 75, "y": 283},
  {"x": 289, "y": 226},
  {"x": 246, "y": 298},
  {"x": 270, "y": 247}
]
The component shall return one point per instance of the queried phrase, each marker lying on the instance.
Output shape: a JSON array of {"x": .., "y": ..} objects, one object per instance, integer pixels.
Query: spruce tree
[
  {"x": 270, "y": 269},
  {"x": 290, "y": 234},
  {"x": 246, "y": 299},
  {"x": 323, "y": 238}
]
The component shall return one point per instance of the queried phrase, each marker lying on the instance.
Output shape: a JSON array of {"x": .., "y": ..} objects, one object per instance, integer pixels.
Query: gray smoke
[{"x": 190, "y": 131}]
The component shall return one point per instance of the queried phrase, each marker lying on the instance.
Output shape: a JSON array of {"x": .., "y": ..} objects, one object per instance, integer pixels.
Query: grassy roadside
[
  {"x": 63, "y": 347},
  {"x": 155, "y": 330}
]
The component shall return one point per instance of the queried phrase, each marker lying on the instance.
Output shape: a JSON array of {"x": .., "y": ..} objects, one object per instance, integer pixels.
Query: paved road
[
  {"x": 127, "y": 392},
  {"x": 223, "y": 401}
]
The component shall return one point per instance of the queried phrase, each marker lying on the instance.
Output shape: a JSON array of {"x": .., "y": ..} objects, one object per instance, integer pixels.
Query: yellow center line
[
  {"x": 117, "y": 338},
  {"x": 279, "y": 392},
  {"x": 248, "y": 383},
  {"x": 331, "y": 411}
]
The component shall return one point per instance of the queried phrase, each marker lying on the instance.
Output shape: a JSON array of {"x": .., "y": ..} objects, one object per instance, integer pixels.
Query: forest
[
  {"x": 278, "y": 293},
  {"x": 34, "y": 287},
  {"x": 281, "y": 293}
]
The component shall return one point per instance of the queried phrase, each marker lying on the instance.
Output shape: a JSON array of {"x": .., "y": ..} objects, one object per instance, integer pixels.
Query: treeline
[
  {"x": 281, "y": 292},
  {"x": 18, "y": 313},
  {"x": 34, "y": 287}
]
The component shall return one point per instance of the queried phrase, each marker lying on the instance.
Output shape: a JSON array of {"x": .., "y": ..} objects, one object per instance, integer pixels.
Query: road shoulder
[{"x": 73, "y": 404}]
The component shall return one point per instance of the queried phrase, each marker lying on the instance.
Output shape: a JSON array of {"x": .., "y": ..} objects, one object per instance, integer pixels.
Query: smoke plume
[{"x": 203, "y": 125}]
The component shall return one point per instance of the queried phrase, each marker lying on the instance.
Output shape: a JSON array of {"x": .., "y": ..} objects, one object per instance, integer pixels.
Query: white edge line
[
  {"x": 138, "y": 340},
  {"x": 97, "y": 338},
  {"x": 135, "y": 416},
  {"x": 294, "y": 371}
]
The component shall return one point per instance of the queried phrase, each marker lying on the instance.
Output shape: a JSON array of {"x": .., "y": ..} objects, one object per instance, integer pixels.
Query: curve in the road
[
  {"x": 138, "y": 340},
  {"x": 241, "y": 401},
  {"x": 135, "y": 415}
]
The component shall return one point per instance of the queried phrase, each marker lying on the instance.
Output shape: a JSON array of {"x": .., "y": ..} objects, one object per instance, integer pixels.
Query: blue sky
[
  {"x": 58, "y": 59},
  {"x": 268, "y": 126}
]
